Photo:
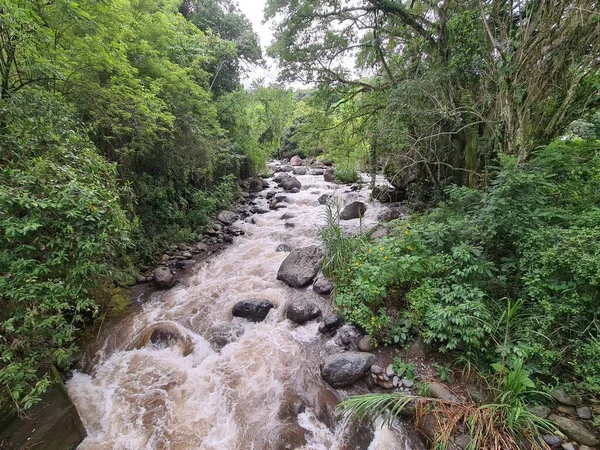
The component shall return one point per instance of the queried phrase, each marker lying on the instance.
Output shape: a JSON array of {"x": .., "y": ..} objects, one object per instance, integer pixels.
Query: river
[{"x": 262, "y": 391}]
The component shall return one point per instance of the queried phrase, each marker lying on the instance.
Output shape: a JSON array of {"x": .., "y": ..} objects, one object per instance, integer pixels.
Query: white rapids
[{"x": 262, "y": 391}]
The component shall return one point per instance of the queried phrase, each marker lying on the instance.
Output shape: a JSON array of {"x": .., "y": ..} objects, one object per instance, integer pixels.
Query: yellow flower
[
  {"x": 385, "y": 257},
  {"x": 380, "y": 249},
  {"x": 348, "y": 269},
  {"x": 370, "y": 250},
  {"x": 406, "y": 232},
  {"x": 408, "y": 224},
  {"x": 357, "y": 263},
  {"x": 409, "y": 248}
]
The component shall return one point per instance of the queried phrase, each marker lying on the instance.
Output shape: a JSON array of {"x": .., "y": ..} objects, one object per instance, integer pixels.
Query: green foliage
[
  {"x": 63, "y": 230},
  {"x": 345, "y": 174},
  {"x": 404, "y": 370}
]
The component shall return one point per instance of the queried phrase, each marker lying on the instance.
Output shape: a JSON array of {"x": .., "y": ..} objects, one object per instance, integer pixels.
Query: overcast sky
[{"x": 253, "y": 9}]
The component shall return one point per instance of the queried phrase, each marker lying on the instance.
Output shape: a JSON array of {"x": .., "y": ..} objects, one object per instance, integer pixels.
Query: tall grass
[{"x": 337, "y": 246}]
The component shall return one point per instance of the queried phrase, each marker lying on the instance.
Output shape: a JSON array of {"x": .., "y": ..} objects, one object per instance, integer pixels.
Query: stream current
[{"x": 262, "y": 391}]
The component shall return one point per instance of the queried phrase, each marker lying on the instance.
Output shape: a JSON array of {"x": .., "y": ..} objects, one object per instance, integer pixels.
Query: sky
[{"x": 253, "y": 9}]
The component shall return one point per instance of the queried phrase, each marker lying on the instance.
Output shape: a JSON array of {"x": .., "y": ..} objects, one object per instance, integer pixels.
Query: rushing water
[{"x": 262, "y": 391}]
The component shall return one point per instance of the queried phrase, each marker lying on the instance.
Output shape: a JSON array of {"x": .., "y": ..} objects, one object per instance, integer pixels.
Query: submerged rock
[
  {"x": 345, "y": 369},
  {"x": 224, "y": 333},
  {"x": 353, "y": 211},
  {"x": 300, "y": 266},
  {"x": 254, "y": 310}
]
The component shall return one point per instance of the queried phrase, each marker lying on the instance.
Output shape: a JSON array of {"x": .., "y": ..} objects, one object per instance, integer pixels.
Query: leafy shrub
[
  {"x": 345, "y": 174},
  {"x": 63, "y": 229}
]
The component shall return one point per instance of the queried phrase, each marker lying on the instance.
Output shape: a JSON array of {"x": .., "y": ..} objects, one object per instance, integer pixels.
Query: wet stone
[
  {"x": 540, "y": 411},
  {"x": 551, "y": 440},
  {"x": 376, "y": 370},
  {"x": 330, "y": 323},
  {"x": 253, "y": 310},
  {"x": 389, "y": 370},
  {"x": 365, "y": 344}
]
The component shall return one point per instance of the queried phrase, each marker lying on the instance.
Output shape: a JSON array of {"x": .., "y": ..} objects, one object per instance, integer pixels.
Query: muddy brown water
[{"x": 157, "y": 383}]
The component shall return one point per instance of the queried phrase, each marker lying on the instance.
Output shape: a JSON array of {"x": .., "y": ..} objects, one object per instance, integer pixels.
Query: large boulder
[
  {"x": 328, "y": 176},
  {"x": 285, "y": 168},
  {"x": 301, "y": 311},
  {"x": 227, "y": 217},
  {"x": 574, "y": 430},
  {"x": 353, "y": 211},
  {"x": 296, "y": 161},
  {"x": 344, "y": 369},
  {"x": 290, "y": 183},
  {"x": 300, "y": 266},
  {"x": 163, "y": 277},
  {"x": 254, "y": 310}
]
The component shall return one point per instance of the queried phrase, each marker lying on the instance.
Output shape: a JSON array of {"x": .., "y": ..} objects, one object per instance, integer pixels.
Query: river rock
[
  {"x": 584, "y": 412},
  {"x": 574, "y": 430},
  {"x": 284, "y": 168},
  {"x": 562, "y": 397},
  {"x": 551, "y": 440},
  {"x": 280, "y": 177},
  {"x": 224, "y": 333},
  {"x": 201, "y": 247},
  {"x": 317, "y": 172},
  {"x": 345, "y": 369},
  {"x": 346, "y": 337},
  {"x": 301, "y": 311},
  {"x": 330, "y": 323},
  {"x": 322, "y": 285},
  {"x": 291, "y": 183},
  {"x": 540, "y": 411},
  {"x": 365, "y": 344},
  {"x": 185, "y": 264},
  {"x": 254, "y": 310},
  {"x": 227, "y": 217},
  {"x": 163, "y": 277},
  {"x": 258, "y": 210},
  {"x": 287, "y": 216},
  {"x": 353, "y": 211},
  {"x": 567, "y": 446},
  {"x": 296, "y": 161},
  {"x": 328, "y": 176},
  {"x": 300, "y": 266},
  {"x": 300, "y": 170},
  {"x": 323, "y": 199},
  {"x": 438, "y": 390}
]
